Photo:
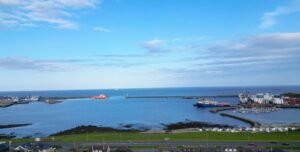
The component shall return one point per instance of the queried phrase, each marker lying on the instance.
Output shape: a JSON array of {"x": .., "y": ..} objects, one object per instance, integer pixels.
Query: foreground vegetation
[
  {"x": 284, "y": 148},
  {"x": 192, "y": 136}
]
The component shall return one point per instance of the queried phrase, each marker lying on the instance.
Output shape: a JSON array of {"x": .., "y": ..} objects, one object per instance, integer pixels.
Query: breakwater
[
  {"x": 185, "y": 97},
  {"x": 14, "y": 125},
  {"x": 63, "y": 98},
  {"x": 216, "y": 110},
  {"x": 251, "y": 122}
]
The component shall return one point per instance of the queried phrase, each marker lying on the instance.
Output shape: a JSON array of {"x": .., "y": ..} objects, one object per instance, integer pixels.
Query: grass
[
  {"x": 284, "y": 148},
  {"x": 193, "y": 136},
  {"x": 144, "y": 147}
]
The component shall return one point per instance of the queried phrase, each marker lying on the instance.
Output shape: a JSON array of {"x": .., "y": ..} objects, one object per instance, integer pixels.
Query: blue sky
[{"x": 97, "y": 44}]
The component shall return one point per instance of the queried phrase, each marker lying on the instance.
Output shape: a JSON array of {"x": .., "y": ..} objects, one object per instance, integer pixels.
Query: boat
[
  {"x": 209, "y": 103},
  {"x": 101, "y": 97},
  {"x": 31, "y": 99}
]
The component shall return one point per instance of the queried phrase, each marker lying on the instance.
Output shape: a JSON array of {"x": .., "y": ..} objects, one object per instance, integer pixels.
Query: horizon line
[{"x": 42, "y": 90}]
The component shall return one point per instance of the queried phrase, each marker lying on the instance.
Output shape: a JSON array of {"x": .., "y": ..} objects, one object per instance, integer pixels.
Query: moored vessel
[{"x": 101, "y": 97}]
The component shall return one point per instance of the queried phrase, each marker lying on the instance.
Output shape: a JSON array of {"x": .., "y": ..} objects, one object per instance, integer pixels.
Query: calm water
[{"x": 118, "y": 111}]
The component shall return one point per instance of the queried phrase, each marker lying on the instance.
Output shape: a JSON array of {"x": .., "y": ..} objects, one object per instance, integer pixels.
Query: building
[
  {"x": 35, "y": 147},
  {"x": 103, "y": 148},
  {"x": 266, "y": 98},
  {"x": 4, "y": 147}
]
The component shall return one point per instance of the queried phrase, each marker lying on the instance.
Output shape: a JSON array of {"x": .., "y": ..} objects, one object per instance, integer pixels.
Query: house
[
  {"x": 190, "y": 149},
  {"x": 3, "y": 147},
  {"x": 20, "y": 149},
  {"x": 229, "y": 149},
  {"x": 35, "y": 147},
  {"x": 103, "y": 148}
]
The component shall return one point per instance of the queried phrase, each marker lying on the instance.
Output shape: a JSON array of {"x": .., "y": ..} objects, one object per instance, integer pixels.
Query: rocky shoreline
[
  {"x": 94, "y": 129},
  {"x": 129, "y": 128},
  {"x": 193, "y": 124},
  {"x": 7, "y": 101},
  {"x": 179, "y": 127}
]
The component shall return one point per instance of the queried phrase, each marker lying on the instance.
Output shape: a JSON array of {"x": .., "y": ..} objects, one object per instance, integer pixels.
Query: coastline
[
  {"x": 93, "y": 129},
  {"x": 193, "y": 124},
  {"x": 172, "y": 128},
  {"x": 4, "y": 103}
]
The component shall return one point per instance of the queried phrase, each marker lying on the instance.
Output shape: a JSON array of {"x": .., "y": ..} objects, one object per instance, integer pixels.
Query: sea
[{"x": 118, "y": 111}]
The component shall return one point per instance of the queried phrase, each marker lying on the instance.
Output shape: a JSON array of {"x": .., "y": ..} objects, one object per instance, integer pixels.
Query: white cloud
[
  {"x": 101, "y": 29},
  {"x": 155, "y": 46},
  {"x": 57, "y": 13},
  {"x": 23, "y": 63},
  {"x": 186, "y": 39},
  {"x": 266, "y": 54},
  {"x": 259, "y": 51},
  {"x": 52, "y": 65},
  {"x": 269, "y": 19},
  {"x": 10, "y": 2},
  {"x": 153, "y": 43},
  {"x": 79, "y": 3}
]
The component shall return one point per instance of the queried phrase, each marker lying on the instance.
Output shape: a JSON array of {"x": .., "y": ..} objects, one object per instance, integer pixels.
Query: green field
[
  {"x": 193, "y": 136},
  {"x": 284, "y": 148}
]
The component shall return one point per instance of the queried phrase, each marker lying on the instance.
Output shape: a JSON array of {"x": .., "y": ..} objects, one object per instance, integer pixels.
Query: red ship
[{"x": 101, "y": 96}]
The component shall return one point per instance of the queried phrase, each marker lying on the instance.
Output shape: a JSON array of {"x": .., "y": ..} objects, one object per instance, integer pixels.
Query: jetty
[{"x": 253, "y": 124}]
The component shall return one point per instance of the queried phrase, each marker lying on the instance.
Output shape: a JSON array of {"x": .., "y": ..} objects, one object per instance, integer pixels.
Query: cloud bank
[
  {"x": 257, "y": 53},
  {"x": 57, "y": 13},
  {"x": 261, "y": 53}
]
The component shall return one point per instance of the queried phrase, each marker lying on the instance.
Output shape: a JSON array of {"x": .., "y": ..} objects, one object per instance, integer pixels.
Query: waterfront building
[{"x": 264, "y": 98}]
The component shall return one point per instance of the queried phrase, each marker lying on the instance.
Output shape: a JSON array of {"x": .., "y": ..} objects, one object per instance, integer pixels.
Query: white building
[{"x": 266, "y": 98}]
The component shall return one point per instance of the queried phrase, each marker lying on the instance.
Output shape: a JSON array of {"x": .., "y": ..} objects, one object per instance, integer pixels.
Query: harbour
[
  {"x": 149, "y": 76},
  {"x": 117, "y": 111}
]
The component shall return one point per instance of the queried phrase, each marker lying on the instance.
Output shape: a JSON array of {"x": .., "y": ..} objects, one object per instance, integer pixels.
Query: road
[{"x": 176, "y": 143}]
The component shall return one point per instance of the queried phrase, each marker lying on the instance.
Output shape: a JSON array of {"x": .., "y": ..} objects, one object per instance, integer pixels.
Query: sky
[{"x": 103, "y": 44}]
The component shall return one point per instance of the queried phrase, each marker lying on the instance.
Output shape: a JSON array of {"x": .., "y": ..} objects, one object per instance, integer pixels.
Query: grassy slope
[{"x": 196, "y": 136}]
